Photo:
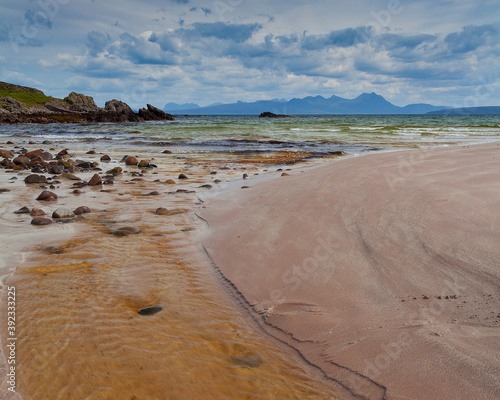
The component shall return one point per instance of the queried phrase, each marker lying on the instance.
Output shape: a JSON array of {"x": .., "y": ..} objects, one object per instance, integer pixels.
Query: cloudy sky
[{"x": 444, "y": 52}]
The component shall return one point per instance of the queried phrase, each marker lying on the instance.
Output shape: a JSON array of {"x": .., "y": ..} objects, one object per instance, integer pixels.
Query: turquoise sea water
[{"x": 319, "y": 135}]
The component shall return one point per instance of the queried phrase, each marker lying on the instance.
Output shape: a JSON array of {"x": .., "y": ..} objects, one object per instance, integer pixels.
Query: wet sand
[
  {"x": 79, "y": 334},
  {"x": 383, "y": 270}
]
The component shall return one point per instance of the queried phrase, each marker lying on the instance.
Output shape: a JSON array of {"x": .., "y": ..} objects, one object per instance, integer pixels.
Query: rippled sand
[{"x": 79, "y": 332}]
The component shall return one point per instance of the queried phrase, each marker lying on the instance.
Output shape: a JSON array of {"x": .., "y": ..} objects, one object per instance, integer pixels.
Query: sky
[{"x": 441, "y": 52}]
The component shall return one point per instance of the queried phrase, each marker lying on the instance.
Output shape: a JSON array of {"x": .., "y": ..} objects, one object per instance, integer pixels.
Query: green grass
[{"x": 28, "y": 98}]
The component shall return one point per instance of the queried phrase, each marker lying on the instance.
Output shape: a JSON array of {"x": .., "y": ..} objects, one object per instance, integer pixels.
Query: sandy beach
[{"x": 382, "y": 271}]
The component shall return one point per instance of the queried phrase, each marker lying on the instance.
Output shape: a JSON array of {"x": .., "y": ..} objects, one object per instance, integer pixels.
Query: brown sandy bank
[{"x": 383, "y": 270}]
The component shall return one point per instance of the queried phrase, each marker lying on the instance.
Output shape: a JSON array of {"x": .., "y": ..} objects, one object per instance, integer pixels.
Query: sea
[
  {"x": 232, "y": 136},
  {"x": 78, "y": 288}
]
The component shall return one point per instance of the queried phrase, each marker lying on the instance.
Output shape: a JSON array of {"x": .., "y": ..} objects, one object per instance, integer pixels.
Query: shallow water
[{"x": 79, "y": 332}]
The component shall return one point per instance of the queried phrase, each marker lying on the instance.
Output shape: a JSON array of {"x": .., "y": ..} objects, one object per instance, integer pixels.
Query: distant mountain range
[
  {"x": 367, "y": 103},
  {"x": 469, "y": 110}
]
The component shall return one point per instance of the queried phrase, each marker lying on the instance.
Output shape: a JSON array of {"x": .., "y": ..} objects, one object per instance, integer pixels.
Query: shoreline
[{"x": 240, "y": 231}]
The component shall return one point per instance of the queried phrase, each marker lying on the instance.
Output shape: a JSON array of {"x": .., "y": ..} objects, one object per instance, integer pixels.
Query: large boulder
[
  {"x": 80, "y": 102},
  {"x": 119, "y": 107},
  {"x": 154, "y": 114}
]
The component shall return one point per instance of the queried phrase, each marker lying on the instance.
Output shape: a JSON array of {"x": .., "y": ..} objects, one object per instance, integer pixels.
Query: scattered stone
[
  {"x": 86, "y": 165},
  {"x": 45, "y": 155},
  {"x": 82, "y": 210},
  {"x": 4, "y": 190},
  {"x": 55, "y": 170},
  {"x": 245, "y": 176},
  {"x": 154, "y": 193},
  {"x": 170, "y": 182},
  {"x": 21, "y": 160},
  {"x": 213, "y": 173},
  {"x": 76, "y": 191},
  {"x": 150, "y": 310},
  {"x": 131, "y": 161},
  {"x": 182, "y": 191},
  {"x": 52, "y": 250},
  {"x": 90, "y": 152},
  {"x": 23, "y": 210},
  {"x": 167, "y": 152},
  {"x": 285, "y": 174},
  {"x": 207, "y": 186},
  {"x": 162, "y": 211},
  {"x": 105, "y": 158},
  {"x": 41, "y": 221},
  {"x": 143, "y": 164},
  {"x": 34, "y": 178},
  {"x": 182, "y": 176},
  {"x": 70, "y": 177},
  {"x": 95, "y": 180},
  {"x": 47, "y": 196},
  {"x": 63, "y": 213},
  {"x": 245, "y": 187},
  {"x": 6, "y": 153},
  {"x": 217, "y": 181},
  {"x": 125, "y": 231},
  {"x": 115, "y": 171},
  {"x": 37, "y": 212}
]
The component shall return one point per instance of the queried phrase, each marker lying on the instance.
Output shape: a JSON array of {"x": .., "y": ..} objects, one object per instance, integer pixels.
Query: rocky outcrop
[
  {"x": 268, "y": 114},
  {"x": 119, "y": 107},
  {"x": 154, "y": 114},
  {"x": 80, "y": 102},
  {"x": 75, "y": 108}
]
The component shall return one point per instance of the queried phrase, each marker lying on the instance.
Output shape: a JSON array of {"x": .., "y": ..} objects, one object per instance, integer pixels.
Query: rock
[
  {"x": 131, "y": 161},
  {"x": 268, "y": 114},
  {"x": 206, "y": 186},
  {"x": 20, "y": 160},
  {"x": 82, "y": 210},
  {"x": 47, "y": 196},
  {"x": 81, "y": 103},
  {"x": 115, "y": 171},
  {"x": 35, "y": 179},
  {"x": 105, "y": 158},
  {"x": 125, "y": 231},
  {"x": 95, "y": 180},
  {"x": 119, "y": 107},
  {"x": 285, "y": 174},
  {"x": 162, "y": 211},
  {"x": 167, "y": 152},
  {"x": 170, "y": 182},
  {"x": 52, "y": 250},
  {"x": 86, "y": 165},
  {"x": 182, "y": 176},
  {"x": 46, "y": 156},
  {"x": 23, "y": 210},
  {"x": 245, "y": 176},
  {"x": 63, "y": 213},
  {"x": 154, "y": 114},
  {"x": 90, "y": 152},
  {"x": 55, "y": 170},
  {"x": 37, "y": 212},
  {"x": 41, "y": 221},
  {"x": 155, "y": 193},
  {"x": 70, "y": 177},
  {"x": 143, "y": 164},
  {"x": 150, "y": 310},
  {"x": 6, "y": 154}
]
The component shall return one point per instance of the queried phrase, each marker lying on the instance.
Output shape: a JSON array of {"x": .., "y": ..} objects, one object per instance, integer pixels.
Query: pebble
[
  {"x": 285, "y": 174},
  {"x": 82, "y": 210},
  {"x": 47, "y": 196},
  {"x": 70, "y": 177},
  {"x": 207, "y": 186},
  {"x": 34, "y": 178},
  {"x": 115, "y": 171},
  {"x": 170, "y": 182},
  {"x": 150, "y": 310},
  {"x": 90, "y": 152},
  {"x": 143, "y": 164},
  {"x": 125, "y": 231},
  {"x": 182, "y": 176},
  {"x": 55, "y": 170},
  {"x": 95, "y": 180},
  {"x": 41, "y": 221},
  {"x": 245, "y": 176},
  {"x": 167, "y": 152},
  {"x": 63, "y": 213},
  {"x": 154, "y": 193},
  {"x": 4, "y": 190},
  {"x": 105, "y": 158},
  {"x": 131, "y": 160},
  {"x": 37, "y": 212},
  {"x": 162, "y": 211},
  {"x": 23, "y": 210}
]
